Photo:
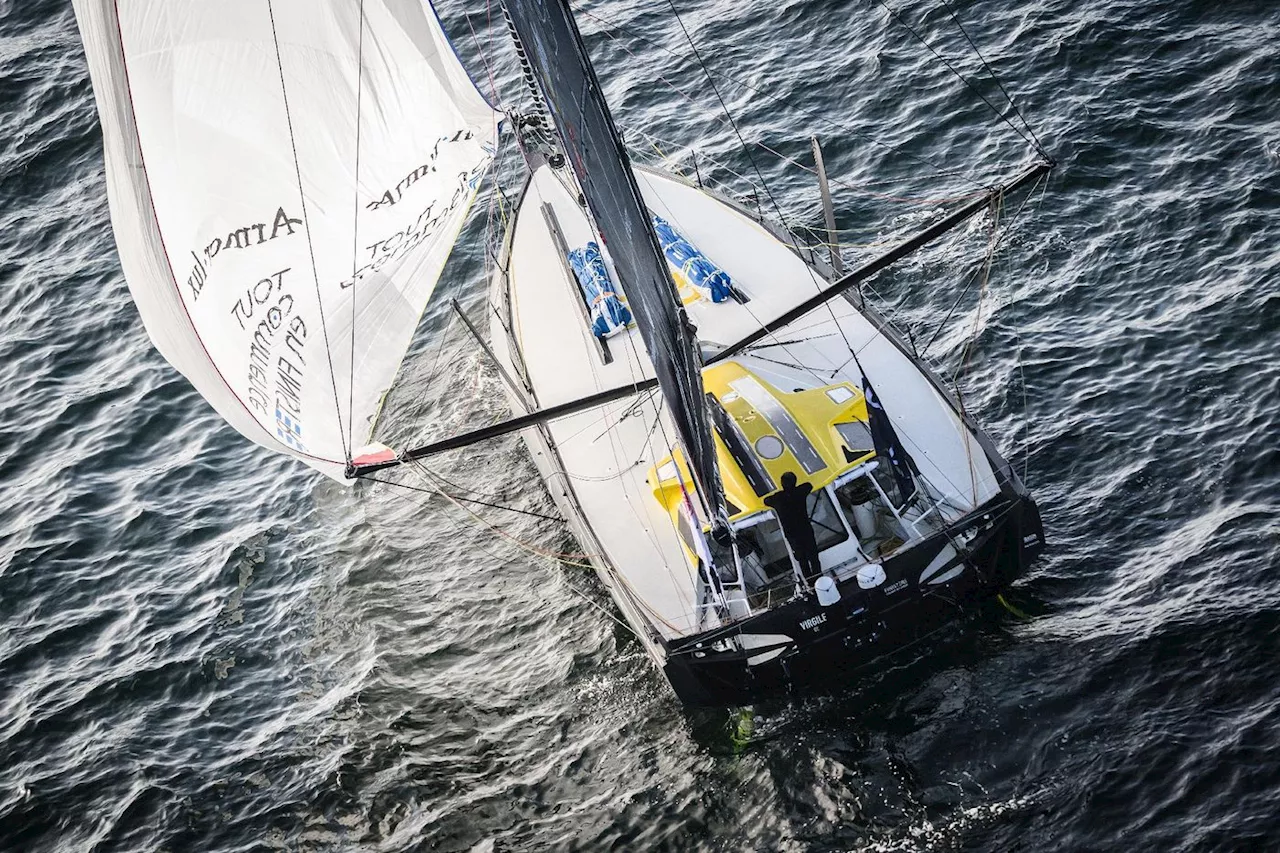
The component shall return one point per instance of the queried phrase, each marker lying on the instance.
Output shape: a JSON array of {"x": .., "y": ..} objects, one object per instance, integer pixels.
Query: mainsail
[
  {"x": 286, "y": 179},
  {"x": 560, "y": 63}
]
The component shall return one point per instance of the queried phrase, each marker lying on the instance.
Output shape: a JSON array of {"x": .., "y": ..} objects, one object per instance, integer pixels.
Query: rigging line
[
  {"x": 962, "y": 78},
  {"x": 992, "y": 73},
  {"x": 636, "y": 599},
  {"x": 355, "y": 245},
  {"x": 903, "y": 330},
  {"x": 803, "y": 368},
  {"x": 657, "y": 416},
  {"x": 973, "y": 276},
  {"x": 488, "y": 22},
  {"x": 636, "y": 371},
  {"x": 1026, "y": 424},
  {"x": 618, "y": 576},
  {"x": 1013, "y": 220},
  {"x": 574, "y": 589},
  {"x": 427, "y": 473},
  {"x": 755, "y": 167},
  {"x": 793, "y": 327},
  {"x": 488, "y": 236},
  {"x": 436, "y": 475},
  {"x": 662, "y": 155},
  {"x": 648, "y": 397},
  {"x": 746, "y": 306},
  {"x": 460, "y": 498},
  {"x": 996, "y": 206},
  {"x": 435, "y": 365},
  {"x": 554, "y": 555},
  {"x": 778, "y": 100},
  {"x": 630, "y": 411},
  {"x": 634, "y": 363},
  {"x": 758, "y": 347},
  {"x": 1022, "y": 375},
  {"x": 726, "y": 351},
  {"x": 640, "y": 403},
  {"x": 905, "y": 435},
  {"x": 306, "y": 224},
  {"x": 497, "y": 560},
  {"x": 967, "y": 353},
  {"x": 444, "y": 338},
  {"x": 603, "y": 610},
  {"x": 493, "y": 87},
  {"x": 594, "y": 422},
  {"x": 799, "y": 165}
]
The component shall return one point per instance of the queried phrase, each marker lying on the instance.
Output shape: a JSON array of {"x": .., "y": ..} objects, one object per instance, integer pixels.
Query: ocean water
[{"x": 204, "y": 647}]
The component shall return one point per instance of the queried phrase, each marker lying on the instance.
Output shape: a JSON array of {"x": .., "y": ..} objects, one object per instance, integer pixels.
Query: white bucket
[
  {"x": 870, "y": 576},
  {"x": 828, "y": 592}
]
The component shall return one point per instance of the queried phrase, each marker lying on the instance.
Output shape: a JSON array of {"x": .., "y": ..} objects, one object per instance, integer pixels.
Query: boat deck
[{"x": 606, "y": 452}]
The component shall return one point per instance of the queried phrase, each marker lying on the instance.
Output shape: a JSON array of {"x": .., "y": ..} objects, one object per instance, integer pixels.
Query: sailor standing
[{"x": 791, "y": 503}]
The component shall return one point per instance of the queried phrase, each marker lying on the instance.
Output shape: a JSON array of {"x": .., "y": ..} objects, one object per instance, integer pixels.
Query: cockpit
[{"x": 854, "y": 513}]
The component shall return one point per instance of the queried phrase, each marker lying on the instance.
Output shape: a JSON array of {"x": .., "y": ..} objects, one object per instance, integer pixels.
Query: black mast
[{"x": 551, "y": 41}]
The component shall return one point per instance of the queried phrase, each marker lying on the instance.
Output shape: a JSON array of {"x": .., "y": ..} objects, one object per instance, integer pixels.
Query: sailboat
[{"x": 772, "y": 486}]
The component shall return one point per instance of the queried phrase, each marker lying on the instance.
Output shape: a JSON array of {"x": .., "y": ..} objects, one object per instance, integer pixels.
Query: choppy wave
[{"x": 204, "y": 648}]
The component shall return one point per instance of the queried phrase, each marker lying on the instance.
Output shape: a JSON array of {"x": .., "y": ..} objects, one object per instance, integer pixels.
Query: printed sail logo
[
  {"x": 391, "y": 196},
  {"x": 289, "y": 431},
  {"x": 276, "y": 346},
  {"x": 237, "y": 238}
]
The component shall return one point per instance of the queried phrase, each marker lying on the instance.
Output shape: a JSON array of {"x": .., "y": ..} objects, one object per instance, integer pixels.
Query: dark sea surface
[{"x": 206, "y": 647}]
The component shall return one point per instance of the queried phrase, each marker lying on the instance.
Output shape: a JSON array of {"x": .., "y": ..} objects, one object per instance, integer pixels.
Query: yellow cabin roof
[{"x": 771, "y": 431}]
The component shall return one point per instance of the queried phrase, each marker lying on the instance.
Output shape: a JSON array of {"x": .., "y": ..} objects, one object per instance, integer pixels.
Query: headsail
[
  {"x": 286, "y": 181},
  {"x": 563, "y": 69}
]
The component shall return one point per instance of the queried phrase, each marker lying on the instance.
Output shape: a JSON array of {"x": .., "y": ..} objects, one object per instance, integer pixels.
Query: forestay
[{"x": 285, "y": 184}]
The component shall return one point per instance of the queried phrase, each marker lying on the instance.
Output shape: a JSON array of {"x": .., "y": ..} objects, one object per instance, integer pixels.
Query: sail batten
[{"x": 281, "y": 279}]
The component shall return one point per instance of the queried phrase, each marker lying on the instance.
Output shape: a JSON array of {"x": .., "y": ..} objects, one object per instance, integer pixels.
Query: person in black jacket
[{"x": 791, "y": 503}]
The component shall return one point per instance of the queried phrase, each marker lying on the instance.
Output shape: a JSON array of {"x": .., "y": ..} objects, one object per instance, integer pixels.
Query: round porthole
[{"x": 769, "y": 446}]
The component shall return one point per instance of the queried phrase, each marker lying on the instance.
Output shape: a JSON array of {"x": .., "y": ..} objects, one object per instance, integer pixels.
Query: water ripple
[{"x": 205, "y": 648}]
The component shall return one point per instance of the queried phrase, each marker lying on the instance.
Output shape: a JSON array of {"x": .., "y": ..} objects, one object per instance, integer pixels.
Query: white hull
[{"x": 595, "y": 463}]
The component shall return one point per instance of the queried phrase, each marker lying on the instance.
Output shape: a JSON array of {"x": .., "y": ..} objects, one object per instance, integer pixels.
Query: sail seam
[{"x": 306, "y": 225}]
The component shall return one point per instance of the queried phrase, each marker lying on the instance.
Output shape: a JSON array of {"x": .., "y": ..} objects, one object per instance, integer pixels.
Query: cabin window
[
  {"x": 686, "y": 532},
  {"x": 840, "y": 394},
  {"x": 721, "y": 557},
  {"x": 856, "y": 492},
  {"x": 857, "y": 439},
  {"x": 828, "y": 529},
  {"x": 763, "y": 553}
]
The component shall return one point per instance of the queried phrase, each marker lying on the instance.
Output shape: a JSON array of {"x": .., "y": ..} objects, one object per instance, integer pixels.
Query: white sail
[{"x": 285, "y": 186}]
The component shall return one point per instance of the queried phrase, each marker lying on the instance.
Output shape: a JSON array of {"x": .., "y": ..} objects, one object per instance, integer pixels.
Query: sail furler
[{"x": 286, "y": 181}]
